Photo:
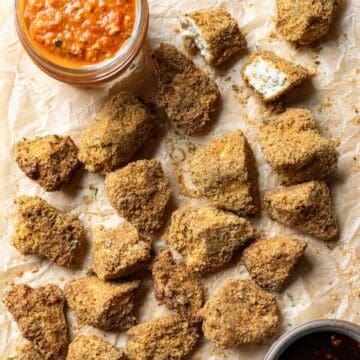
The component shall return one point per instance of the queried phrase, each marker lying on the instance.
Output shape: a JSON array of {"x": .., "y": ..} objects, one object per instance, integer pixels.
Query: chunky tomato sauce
[{"x": 82, "y": 31}]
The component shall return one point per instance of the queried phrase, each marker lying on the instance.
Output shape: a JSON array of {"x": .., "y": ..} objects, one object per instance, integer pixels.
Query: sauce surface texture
[{"x": 79, "y": 31}]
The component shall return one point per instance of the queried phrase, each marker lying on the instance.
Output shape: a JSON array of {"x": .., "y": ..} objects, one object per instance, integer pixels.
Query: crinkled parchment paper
[{"x": 328, "y": 282}]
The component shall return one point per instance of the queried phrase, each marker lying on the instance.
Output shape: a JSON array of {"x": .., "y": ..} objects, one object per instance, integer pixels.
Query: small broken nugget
[
  {"x": 240, "y": 313},
  {"x": 118, "y": 251},
  {"x": 225, "y": 172},
  {"x": 116, "y": 133},
  {"x": 271, "y": 261},
  {"x": 39, "y": 314},
  {"x": 105, "y": 305},
  {"x": 140, "y": 193},
  {"x": 186, "y": 93},
  {"x": 176, "y": 287},
  {"x": 49, "y": 160},
  {"x": 271, "y": 76},
  {"x": 91, "y": 347},
  {"x": 292, "y": 144},
  {"x": 306, "y": 207},
  {"x": 42, "y": 230},
  {"x": 26, "y": 352},
  {"x": 215, "y": 33},
  {"x": 167, "y": 337},
  {"x": 305, "y": 21},
  {"x": 206, "y": 237}
]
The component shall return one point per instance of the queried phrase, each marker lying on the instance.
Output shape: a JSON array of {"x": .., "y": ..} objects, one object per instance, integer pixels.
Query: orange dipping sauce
[{"x": 79, "y": 32}]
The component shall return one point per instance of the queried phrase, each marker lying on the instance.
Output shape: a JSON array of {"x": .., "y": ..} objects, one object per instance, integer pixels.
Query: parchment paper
[{"x": 327, "y": 283}]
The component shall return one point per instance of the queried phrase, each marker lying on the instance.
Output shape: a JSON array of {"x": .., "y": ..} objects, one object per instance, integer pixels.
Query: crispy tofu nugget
[
  {"x": 116, "y": 133},
  {"x": 42, "y": 230},
  {"x": 215, "y": 33},
  {"x": 271, "y": 76},
  {"x": 271, "y": 261},
  {"x": 50, "y": 160},
  {"x": 206, "y": 237},
  {"x": 176, "y": 287},
  {"x": 91, "y": 347},
  {"x": 225, "y": 172},
  {"x": 105, "y": 305},
  {"x": 167, "y": 337},
  {"x": 186, "y": 93},
  {"x": 118, "y": 251},
  {"x": 240, "y": 313},
  {"x": 305, "y": 21},
  {"x": 306, "y": 207},
  {"x": 293, "y": 146},
  {"x": 39, "y": 314},
  {"x": 140, "y": 193},
  {"x": 26, "y": 352}
]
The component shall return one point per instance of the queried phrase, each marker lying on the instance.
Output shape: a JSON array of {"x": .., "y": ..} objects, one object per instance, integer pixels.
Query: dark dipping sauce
[{"x": 324, "y": 345}]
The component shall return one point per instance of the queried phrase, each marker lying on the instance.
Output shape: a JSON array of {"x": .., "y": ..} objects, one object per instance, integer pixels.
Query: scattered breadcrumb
[
  {"x": 186, "y": 93},
  {"x": 39, "y": 314},
  {"x": 50, "y": 160},
  {"x": 240, "y": 313},
  {"x": 176, "y": 287},
  {"x": 168, "y": 337},
  {"x": 307, "y": 207},
  {"x": 105, "y": 305},
  {"x": 42, "y": 230}
]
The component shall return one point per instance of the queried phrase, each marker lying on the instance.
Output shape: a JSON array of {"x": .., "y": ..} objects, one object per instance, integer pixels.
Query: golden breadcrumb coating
[
  {"x": 225, "y": 172},
  {"x": 206, "y": 237},
  {"x": 293, "y": 74},
  {"x": 39, "y": 314},
  {"x": 50, "y": 160},
  {"x": 293, "y": 145},
  {"x": 165, "y": 338},
  {"x": 240, "y": 313},
  {"x": 186, "y": 93},
  {"x": 176, "y": 287},
  {"x": 118, "y": 251},
  {"x": 271, "y": 261},
  {"x": 220, "y": 36},
  {"x": 116, "y": 133},
  {"x": 91, "y": 347},
  {"x": 26, "y": 352},
  {"x": 305, "y": 21},
  {"x": 105, "y": 305},
  {"x": 140, "y": 193},
  {"x": 42, "y": 230},
  {"x": 306, "y": 207}
]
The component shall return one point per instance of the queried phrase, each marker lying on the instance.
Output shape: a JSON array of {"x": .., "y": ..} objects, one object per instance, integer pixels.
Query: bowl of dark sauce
[{"x": 318, "y": 340}]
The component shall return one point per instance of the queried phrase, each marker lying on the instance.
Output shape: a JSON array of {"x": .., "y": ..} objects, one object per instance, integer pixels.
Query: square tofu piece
[
  {"x": 215, "y": 33},
  {"x": 271, "y": 76}
]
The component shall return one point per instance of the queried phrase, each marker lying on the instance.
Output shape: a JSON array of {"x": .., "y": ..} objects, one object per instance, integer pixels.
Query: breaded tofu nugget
[
  {"x": 293, "y": 146},
  {"x": 26, "y": 352},
  {"x": 271, "y": 76},
  {"x": 215, "y": 33},
  {"x": 118, "y": 251},
  {"x": 105, "y": 305},
  {"x": 91, "y": 347},
  {"x": 225, "y": 172},
  {"x": 42, "y": 230},
  {"x": 306, "y": 207},
  {"x": 271, "y": 261},
  {"x": 186, "y": 93},
  {"x": 305, "y": 21},
  {"x": 50, "y": 160},
  {"x": 39, "y": 314},
  {"x": 206, "y": 237},
  {"x": 167, "y": 337},
  {"x": 115, "y": 134},
  {"x": 139, "y": 192},
  {"x": 176, "y": 287},
  {"x": 240, "y": 313}
]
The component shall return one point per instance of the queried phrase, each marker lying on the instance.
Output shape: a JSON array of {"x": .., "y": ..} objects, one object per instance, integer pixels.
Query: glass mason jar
[{"x": 92, "y": 75}]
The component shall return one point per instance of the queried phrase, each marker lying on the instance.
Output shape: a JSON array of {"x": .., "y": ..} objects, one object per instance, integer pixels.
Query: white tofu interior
[{"x": 266, "y": 78}]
